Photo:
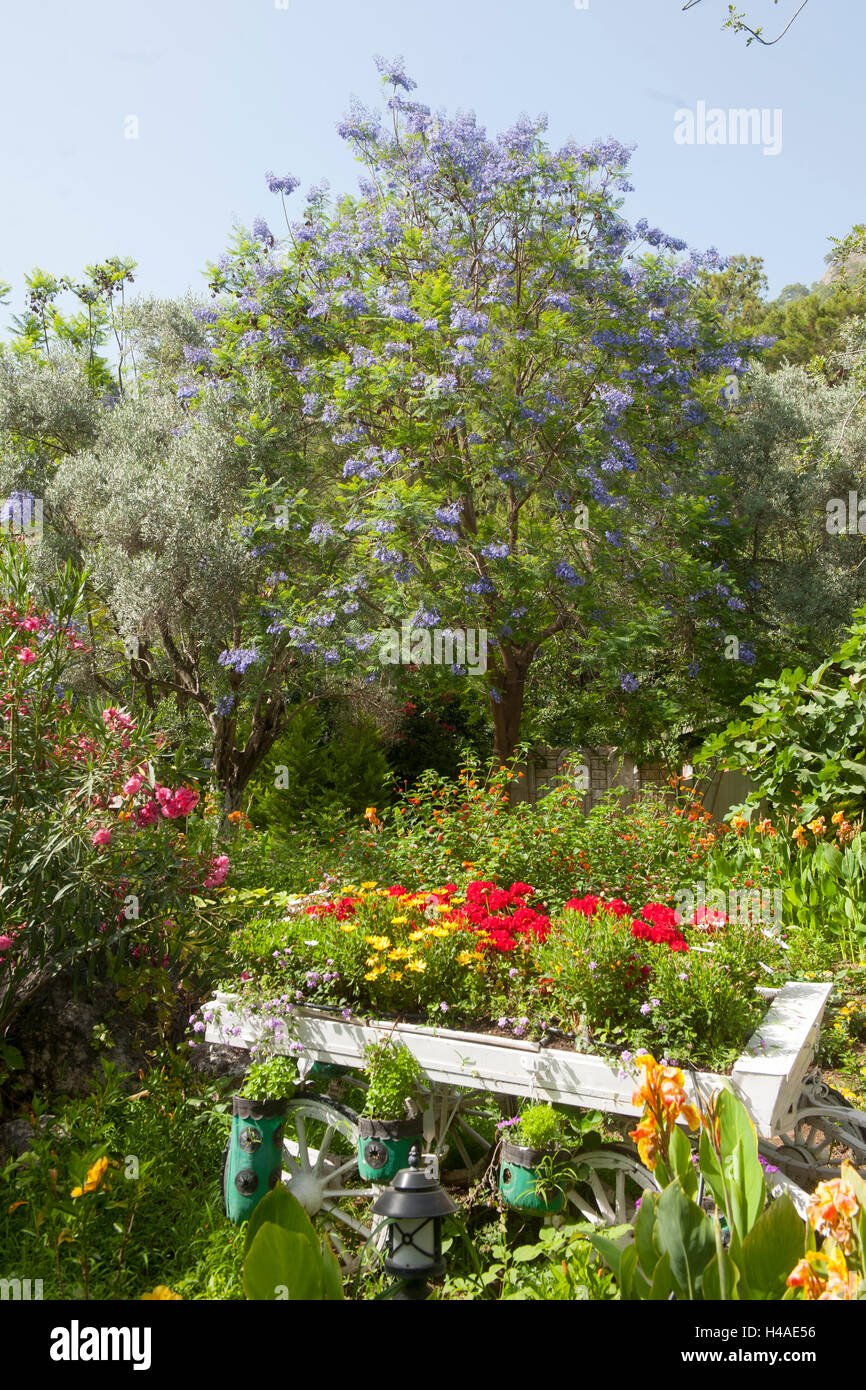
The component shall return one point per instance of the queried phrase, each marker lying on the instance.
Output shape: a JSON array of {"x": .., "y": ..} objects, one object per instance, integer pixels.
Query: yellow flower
[
  {"x": 440, "y": 931},
  {"x": 398, "y": 921},
  {"x": 817, "y": 826},
  {"x": 467, "y": 958},
  {"x": 417, "y": 966},
  {"x": 374, "y": 974},
  {"x": 418, "y": 935},
  {"x": 455, "y": 902},
  {"x": 379, "y": 943},
  {"x": 95, "y": 1174},
  {"x": 162, "y": 1293},
  {"x": 346, "y": 928},
  {"x": 800, "y": 836},
  {"x": 396, "y": 975},
  {"x": 371, "y": 883},
  {"x": 399, "y": 953}
]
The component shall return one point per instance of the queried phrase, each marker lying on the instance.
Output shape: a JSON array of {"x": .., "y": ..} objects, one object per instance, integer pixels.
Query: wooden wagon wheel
[
  {"x": 610, "y": 1182},
  {"x": 320, "y": 1159},
  {"x": 823, "y": 1131}
]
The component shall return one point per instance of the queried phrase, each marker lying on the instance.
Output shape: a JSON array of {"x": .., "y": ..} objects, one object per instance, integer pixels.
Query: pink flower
[
  {"x": 133, "y": 785},
  {"x": 32, "y": 624},
  {"x": 6, "y": 942},
  {"x": 101, "y": 838},
  {"x": 163, "y": 795},
  {"x": 26, "y": 656},
  {"x": 115, "y": 718},
  {"x": 219, "y": 869},
  {"x": 145, "y": 815},
  {"x": 186, "y": 800}
]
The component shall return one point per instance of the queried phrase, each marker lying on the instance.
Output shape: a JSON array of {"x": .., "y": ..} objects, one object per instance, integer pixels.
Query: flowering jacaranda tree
[{"x": 505, "y": 389}]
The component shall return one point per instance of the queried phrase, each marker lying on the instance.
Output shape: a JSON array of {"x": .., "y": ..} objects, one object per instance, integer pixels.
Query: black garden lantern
[{"x": 414, "y": 1206}]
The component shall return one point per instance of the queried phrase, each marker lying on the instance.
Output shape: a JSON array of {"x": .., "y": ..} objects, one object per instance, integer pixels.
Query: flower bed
[{"x": 598, "y": 976}]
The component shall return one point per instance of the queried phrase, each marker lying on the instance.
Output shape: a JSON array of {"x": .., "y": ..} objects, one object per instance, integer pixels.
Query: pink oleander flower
[
  {"x": 146, "y": 815},
  {"x": 26, "y": 656},
  {"x": 31, "y": 624},
  {"x": 132, "y": 785},
  {"x": 219, "y": 870},
  {"x": 186, "y": 800},
  {"x": 101, "y": 838},
  {"x": 115, "y": 718},
  {"x": 163, "y": 795}
]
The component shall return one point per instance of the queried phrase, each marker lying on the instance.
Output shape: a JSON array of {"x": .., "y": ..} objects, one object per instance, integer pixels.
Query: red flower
[{"x": 588, "y": 905}]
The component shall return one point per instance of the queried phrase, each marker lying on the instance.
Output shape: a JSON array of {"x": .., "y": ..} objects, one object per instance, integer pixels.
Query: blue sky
[{"x": 223, "y": 90}]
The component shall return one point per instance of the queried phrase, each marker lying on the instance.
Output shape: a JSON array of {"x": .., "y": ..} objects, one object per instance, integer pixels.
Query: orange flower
[
  {"x": 831, "y": 1207},
  {"x": 800, "y": 836},
  {"x": 234, "y": 817},
  {"x": 95, "y": 1174},
  {"x": 665, "y": 1101},
  {"x": 824, "y": 1276}
]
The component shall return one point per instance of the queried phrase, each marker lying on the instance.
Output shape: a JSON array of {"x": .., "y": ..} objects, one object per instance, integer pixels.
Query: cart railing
[{"x": 767, "y": 1076}]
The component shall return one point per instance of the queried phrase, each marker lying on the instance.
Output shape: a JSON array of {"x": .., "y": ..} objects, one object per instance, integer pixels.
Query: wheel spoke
[
  {"x": 303, "y": 1154},
  {"x": 351, "y": 1221},
  {"x": 343, "y": 1168},
  {"x": 324, "y": 1149}
]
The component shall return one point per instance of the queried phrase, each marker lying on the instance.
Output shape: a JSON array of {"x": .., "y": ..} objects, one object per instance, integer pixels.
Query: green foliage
[
  {"x": 560, "y": 1266},
  {"x": 319, "y": 768},
  {"x": 283, "y": 1256},
  {"x": 540, "y": 1127},
  {"x": 272, "y": 1079},
  {"x": 152, "y": 1217},
  {"x": 803, "y": 745},
  {"x": 395, "y": 1076}
]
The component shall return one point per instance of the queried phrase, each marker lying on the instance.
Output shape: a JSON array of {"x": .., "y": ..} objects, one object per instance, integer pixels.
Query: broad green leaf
[
  {"x": 771, "y": 1249},
  {"x": 662, "y": 1284},
  {"x": 685, "y": 1232},
  {"x": 680, "y": 1155},
  {"x": 711, "y": 1279},
  {"x": 283, "y": 1210},
  {"x": 281, "y": 1264},
  {"x": 643, "y": 1233}
]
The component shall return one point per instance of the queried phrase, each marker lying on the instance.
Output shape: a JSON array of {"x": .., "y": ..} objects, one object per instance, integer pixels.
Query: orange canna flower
[
  {"x": 831, "y": 1207},
  {"x": 234, "y": 817}
]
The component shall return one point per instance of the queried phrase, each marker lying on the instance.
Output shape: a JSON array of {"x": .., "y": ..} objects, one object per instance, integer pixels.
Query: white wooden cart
[{"x": 802, "y": 1125}]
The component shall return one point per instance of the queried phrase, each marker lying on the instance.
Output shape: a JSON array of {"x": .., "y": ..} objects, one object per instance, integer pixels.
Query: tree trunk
[
  {"x": 233, "y": 767},
  {"x": 507, "y": 712}
]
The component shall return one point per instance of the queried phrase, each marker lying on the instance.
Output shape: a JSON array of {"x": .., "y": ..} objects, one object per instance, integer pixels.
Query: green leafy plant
[
  {"x": 395, "y": 1076},
  {"x": 803, "y": 744},
  {"x": 540, "y": 1127},
  {"x": 744, "y": 1247},
  {"x": 284, "y": 1258},
  {"x": 272, "y": 1079},
  {"x": 560, "y": 1266}
]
